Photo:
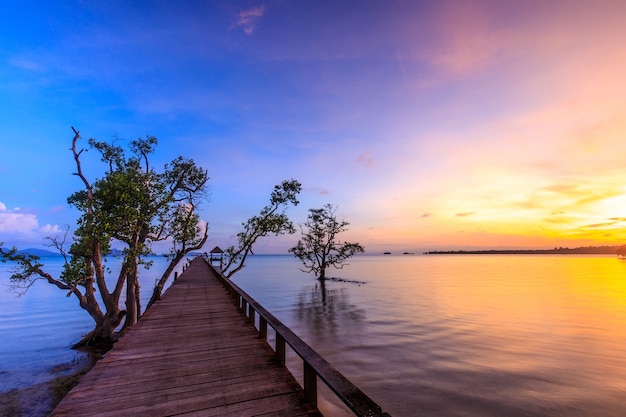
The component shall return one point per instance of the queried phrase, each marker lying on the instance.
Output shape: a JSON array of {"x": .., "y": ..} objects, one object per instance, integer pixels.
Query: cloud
[
  {"x": 317, "y": 190},
  {"x": 426, "y": 215},
  {"x": 365, "y": 159},
  {"x": 597, "y": 225},
  {"x": 15, "y": 221},
  {"x": 57, "y": 209},
  {"x": 247, "y": 19},
  {"x": 18, "y": 227},
  {"x": 51, "y": 230},
  {"x": 465, "y": 214}
]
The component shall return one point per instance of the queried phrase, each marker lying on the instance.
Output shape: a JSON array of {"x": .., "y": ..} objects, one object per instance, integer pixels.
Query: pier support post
[
  {"x": 262, "y": 328},
  {"x": 280, "y": 349},
  {"x": 310, "y": 384}
]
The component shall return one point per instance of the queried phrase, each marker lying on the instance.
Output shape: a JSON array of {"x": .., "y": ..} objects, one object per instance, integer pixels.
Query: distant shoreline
[{"x": 587, "y": 250}]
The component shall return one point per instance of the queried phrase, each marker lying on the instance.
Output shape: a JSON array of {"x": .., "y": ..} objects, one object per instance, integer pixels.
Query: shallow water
[
  {"x": 38, "y": 329},
  {"x": 437, "y": 335},
  {"x": 451, "y": 335}
]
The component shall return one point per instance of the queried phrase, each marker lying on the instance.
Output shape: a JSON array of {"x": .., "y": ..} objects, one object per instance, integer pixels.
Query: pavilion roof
[{"x": 216, "y": 249}]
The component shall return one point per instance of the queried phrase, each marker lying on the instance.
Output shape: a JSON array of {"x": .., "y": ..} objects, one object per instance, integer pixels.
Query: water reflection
[
  {"x": 327, "y": 312},
  {"x": 514, "y": 336}
]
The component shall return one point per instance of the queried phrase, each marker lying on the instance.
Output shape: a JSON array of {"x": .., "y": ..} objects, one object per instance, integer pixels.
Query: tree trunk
[
  {"x": 239, "y": 266},
  {"x": 158, "y": 288},
  {"x": 137, "y": 297},
  {"x": 131, "y": 306},
  {"x": 323, "y": 267},
  {"x": 323, "y": 290},
  {"x": 102, "y": 333}
]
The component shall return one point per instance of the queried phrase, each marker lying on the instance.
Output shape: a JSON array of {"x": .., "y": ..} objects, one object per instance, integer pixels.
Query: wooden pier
[{"x": 198, "y": 352}]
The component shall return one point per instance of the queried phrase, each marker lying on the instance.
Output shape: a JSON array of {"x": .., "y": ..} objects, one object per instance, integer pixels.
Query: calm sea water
[
  {"x": 38, "y": 328},
  {"x": 438, "y": 335}
]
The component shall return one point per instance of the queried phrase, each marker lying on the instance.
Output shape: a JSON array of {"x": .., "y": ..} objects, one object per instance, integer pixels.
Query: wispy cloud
[
  {"x": 25, "y": 64},
  {"x": 316, "y": 190},
  {"x": 248, "y": 19},
  {"x": 465, "y": 214},
  {"x": 365, "y": 159},
  {"x": 598, "y": 225}
]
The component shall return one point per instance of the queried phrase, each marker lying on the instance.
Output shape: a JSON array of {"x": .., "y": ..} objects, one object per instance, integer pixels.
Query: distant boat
[{"x": 386, "y": 253}]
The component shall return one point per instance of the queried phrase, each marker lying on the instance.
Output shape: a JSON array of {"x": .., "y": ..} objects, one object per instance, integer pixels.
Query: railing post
[
  {"x": 280, "y": 349},
  {"x": 251, "y": 312},
  {"x": 175, "y": 275},
  {"x": 315, "y": 367},
  {"x": 310, "y": 383},
  {"x": 262, "y": 327}
]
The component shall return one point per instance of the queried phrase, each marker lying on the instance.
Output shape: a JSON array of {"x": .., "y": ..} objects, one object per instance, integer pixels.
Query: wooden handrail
[{"x": 314, "y": 364}]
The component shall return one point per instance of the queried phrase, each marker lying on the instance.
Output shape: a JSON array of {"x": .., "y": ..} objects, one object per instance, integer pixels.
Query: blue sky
[{"x": 429, "y": 124}]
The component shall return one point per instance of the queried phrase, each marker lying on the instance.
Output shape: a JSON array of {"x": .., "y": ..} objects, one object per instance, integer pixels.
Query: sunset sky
[{"x": 430, "y": 124}]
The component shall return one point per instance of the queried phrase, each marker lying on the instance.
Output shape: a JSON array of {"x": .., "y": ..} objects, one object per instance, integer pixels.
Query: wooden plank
[{"x": 194, "y": 354}]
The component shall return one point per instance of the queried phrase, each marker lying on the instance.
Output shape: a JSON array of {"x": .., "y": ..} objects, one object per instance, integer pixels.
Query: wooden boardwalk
[{"x": 192, "y": 354}]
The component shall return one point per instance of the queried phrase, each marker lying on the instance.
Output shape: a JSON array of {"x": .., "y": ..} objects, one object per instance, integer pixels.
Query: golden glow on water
[{"x": 507, "y": 335}]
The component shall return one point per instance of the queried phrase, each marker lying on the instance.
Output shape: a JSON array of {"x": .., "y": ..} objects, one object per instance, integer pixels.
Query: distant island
[{"x": 586, "y": 250}]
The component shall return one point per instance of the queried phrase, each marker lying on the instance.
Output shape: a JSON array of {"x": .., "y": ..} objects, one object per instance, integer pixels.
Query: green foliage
[
  {"x": 269, "y": 221},
  {"x": 131, "y": 204},
  {"x": 319, "y": 248},
  {"x": 77, "y": 271}
]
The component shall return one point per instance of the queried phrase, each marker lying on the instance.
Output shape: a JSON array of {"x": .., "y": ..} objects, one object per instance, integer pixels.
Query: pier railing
[{"x": 314, "y": 365}]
